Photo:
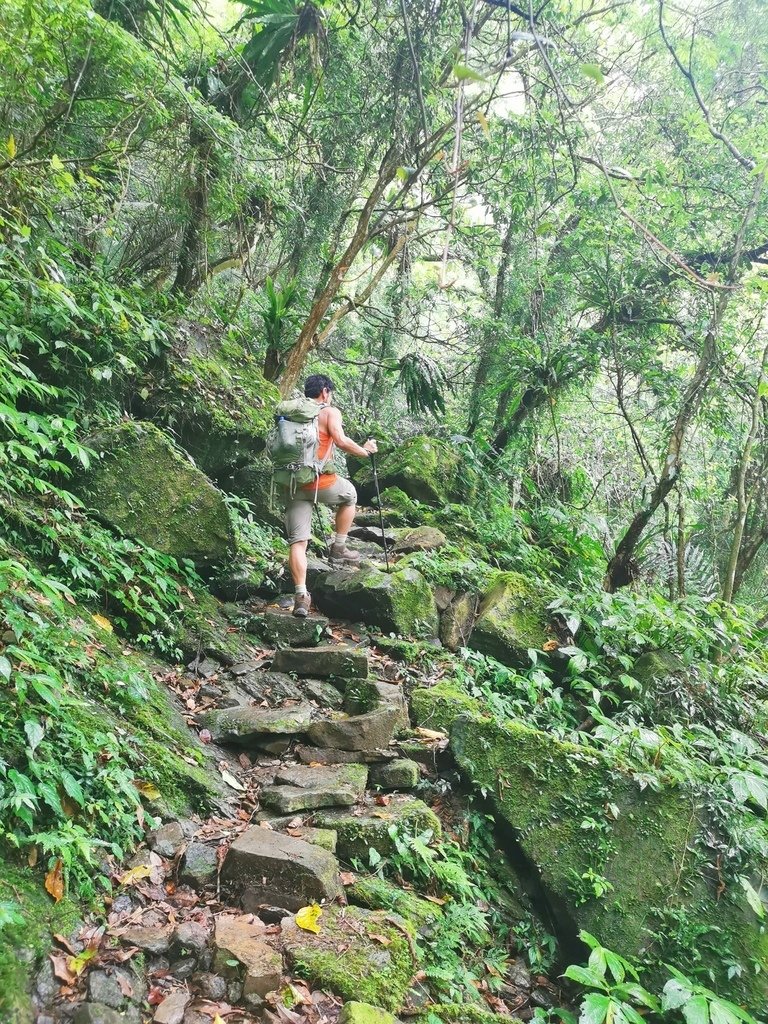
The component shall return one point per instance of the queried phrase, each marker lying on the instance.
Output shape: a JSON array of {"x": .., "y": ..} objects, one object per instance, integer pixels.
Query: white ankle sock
[
  {"x": 300, "y": 590},
  {"x": 341, "y": 539}
]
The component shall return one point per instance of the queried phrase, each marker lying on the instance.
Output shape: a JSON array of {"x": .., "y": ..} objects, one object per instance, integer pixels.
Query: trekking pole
[{"x": 378, "y": 502}]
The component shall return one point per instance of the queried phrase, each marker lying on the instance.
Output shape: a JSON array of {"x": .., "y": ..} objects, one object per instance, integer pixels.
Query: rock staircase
[{"x": 225, "y": 911}]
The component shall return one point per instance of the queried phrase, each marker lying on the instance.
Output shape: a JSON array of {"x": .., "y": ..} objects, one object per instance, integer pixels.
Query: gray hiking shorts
[{"x": 298, "y": 512}]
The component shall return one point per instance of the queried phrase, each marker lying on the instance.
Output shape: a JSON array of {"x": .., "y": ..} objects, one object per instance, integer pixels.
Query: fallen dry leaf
[
  {"x": 205, "y": 736},
  {"x": 347, "y": 877},
  {"x": 431, "y": 734},
  {"x": 103, "y": 623},
  {"x": 380, "y": 938},
  {"x": 550, "y": 645},
  {"x": 135, "y": 874},
  {"x": 54, "y": 880},
  {"x": 382, "y": 799},
  {"x": 232, "y": 781},
  {"x": 61, "y": 970}
]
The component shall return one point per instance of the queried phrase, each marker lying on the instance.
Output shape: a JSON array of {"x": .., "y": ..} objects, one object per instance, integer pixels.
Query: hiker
[{"x": 327, "y": 488}]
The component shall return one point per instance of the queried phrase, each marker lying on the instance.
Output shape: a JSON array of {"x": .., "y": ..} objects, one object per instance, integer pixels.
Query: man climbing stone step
[{"x": 327, "y": 489}]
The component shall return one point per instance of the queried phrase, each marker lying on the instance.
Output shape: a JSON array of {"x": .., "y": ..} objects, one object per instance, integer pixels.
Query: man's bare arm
[{"x": 340, "y": 439}]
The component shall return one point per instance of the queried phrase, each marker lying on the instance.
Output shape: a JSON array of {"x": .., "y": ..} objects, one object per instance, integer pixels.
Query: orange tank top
[{"x": 323, "y": 450}]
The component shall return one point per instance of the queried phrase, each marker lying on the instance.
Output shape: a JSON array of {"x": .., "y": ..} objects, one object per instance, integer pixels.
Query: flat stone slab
[
  {"x": 357, "y": 833},
  {"x": 240, "y": 938},
  {"x": 355, "y": 951},
  {"x": 364, "y": 695},
  {"x": 239, "y": 725},
  {"x": 272, "y": 687},
  {"x": 303, "y": 787},
  {"x": 374, "y": 534},
  {"x": 314, "y": 662},
  {"x": 266, "y": 867},
  {"x": 285, "y": 630},
  {"x": 329, "y": 755},
  {"x": 357, "y": 732}
]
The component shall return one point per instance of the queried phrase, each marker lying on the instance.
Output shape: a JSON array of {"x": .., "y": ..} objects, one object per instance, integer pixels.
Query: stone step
[
  {"x": 400, "y": 774},
  {"x": 241, "y": 938},
  {"x": 321, "y": 662},
  {"x": 283, "y": 629},
  {"x": 269, "y": 868},
  {"x": 372, "y": 731},
  {"x": 303, "y": 787},
  {"x": 243, "y": 725},
  {"x": 330, "y": 755}
]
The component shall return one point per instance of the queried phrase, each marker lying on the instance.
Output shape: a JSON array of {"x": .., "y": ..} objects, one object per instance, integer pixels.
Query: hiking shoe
[
  {"x": 301, "y": 603},
  {"x": 341, "y": 553}
]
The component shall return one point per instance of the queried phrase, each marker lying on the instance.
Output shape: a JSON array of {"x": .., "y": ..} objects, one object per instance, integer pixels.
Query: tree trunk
[
  {"x": 297, "y": 355},
  {"x": 190, "y": 251},
  {"x": 742, "y": 499},
  {"x": 490, "y": 334},
  {"x": 621, "y": 568}
]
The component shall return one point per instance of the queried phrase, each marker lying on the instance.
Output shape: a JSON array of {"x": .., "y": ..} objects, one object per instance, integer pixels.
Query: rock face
[
  {"x": 357, "y": 833},
  {"x": 369, "y": 969},
  {"x": 241, "y": 725},
  {"x": 435, "y": 707},
  {"x": 642, "y": 847},
  {"x": 360, "y": 732},
  {"x": 400, "y": 774},
  {"x": 424, "y": 468},
  {"x": 510, "y": 620},
  {"x": 396, "y": 602},
  {"x": 265, "y": 867},
  {"x": 147, "y": 488},
  {"x": 341, "y": 662}
]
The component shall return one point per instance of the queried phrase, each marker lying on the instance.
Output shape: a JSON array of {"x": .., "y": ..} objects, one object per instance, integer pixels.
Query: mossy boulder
[
  {"x": 655, "y": 666},
  {"x": 369, "y": 970},
  {"x": 397, "y": 602},
  {"x": 213, "y": 392},
  {"x": 615, "y": 859},
  {"x": 424, "y": 468},
  {"x": 149, "y": 489},
  {"x": 436, "y": 707},
  {"x": 512, "y": 618}
]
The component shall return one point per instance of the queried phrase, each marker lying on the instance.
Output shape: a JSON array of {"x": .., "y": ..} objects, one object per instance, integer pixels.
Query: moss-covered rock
[
  {"x": 436, "y": 707},
  {"x": 213, "y": 393},
  {"x": 378, "y": 894},
  {"x": 420, "y": 538},
  {"x": 363, "y": 1013},
  {"x": 23, "y": 945},
  {"x": 369, "y": 970},
  {"x": 358, "y": 833},
  {"x": 145, "y": 486},
  {"x": 457, "y": 621},
  {"x": 396, "y": 602},
  {"x": 424, "y": 468},
  {"x": 654, "y": 666},
  {"x": 613, "y": 858},
  {"x": 512, "y": 618}
]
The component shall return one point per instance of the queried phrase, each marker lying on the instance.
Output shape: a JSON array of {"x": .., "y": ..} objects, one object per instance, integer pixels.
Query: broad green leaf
[
  {"x": 696, "y": 1011},
  {"x": 465, "y": 74},
  {"x": 35, "y": 733},
  {"x": 595, "y": 1008},
  {"x": 594, "y": 72},
  {"x": 585, "y": 976},
  {"x": 675, "y": 995}
]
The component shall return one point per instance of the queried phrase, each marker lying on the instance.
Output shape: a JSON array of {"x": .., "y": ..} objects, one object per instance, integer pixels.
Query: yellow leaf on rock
[
  {"x": 77, "y": 964},
  {"x": 102, "y": 622},
  {"x": 54, "y": 880},
  {"x": 217, "y": 1019},
  {"x": 307, "y": 918},
  {"x": 147, "y": 789},
  {"x": 10, "y": 147},
  {"x": 135, "y": 874}
]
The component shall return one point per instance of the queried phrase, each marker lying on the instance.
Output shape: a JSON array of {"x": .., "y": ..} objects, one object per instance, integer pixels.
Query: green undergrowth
[{"x": 28, "y": 918}]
